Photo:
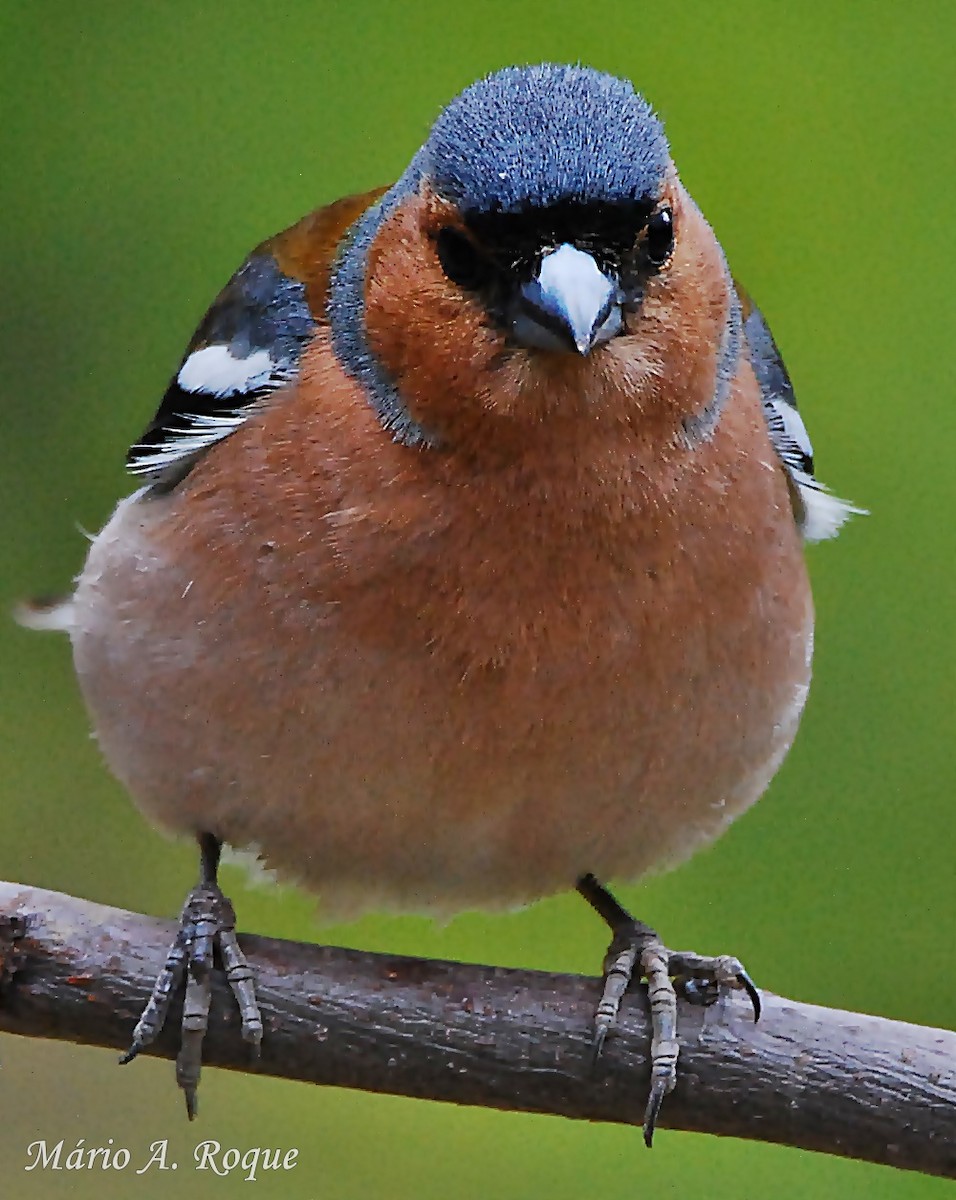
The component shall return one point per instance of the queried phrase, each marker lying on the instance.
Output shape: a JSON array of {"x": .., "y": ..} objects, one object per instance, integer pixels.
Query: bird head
[{"x": 538, "y": 257}]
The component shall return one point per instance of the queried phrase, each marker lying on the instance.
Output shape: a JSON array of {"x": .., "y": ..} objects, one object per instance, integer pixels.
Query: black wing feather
[
  {"x": 818, "y": 513},
  {"x": 260, "y": 312}
]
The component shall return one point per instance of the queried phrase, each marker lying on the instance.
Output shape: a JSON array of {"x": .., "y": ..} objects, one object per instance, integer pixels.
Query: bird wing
[
  {"x": 817, "y": 511},
  {"x": 248, "y": 345}
]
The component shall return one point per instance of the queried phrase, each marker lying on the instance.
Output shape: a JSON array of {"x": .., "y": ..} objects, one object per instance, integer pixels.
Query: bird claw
[
  {"x": 208, "y": 921},
  {"x": 655, "y": 1099},
  {"x": 753, "y": 995},
  {"x": 700, "y": 979}
]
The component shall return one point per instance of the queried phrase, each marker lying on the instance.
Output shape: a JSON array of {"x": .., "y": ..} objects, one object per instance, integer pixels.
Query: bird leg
[
  {"x": 699, "y": 978},
  {"x": 208, "y": 921}
]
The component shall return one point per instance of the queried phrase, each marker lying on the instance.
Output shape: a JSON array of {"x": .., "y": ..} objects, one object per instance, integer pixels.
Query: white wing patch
[
  {"x": 823, "y": 513},
  {"x": 788, "y": 432},
  {"x": 247, "y": 348},
  {"x": 216, "y": 371},
  {"x": 184, "y": 443}
]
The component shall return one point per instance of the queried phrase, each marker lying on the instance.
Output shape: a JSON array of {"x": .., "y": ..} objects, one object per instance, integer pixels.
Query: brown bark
[{"x": 817, "y": 1078}]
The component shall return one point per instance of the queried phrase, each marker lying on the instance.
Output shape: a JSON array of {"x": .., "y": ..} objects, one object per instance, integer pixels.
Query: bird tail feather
[{"x": 46, "y": 612}]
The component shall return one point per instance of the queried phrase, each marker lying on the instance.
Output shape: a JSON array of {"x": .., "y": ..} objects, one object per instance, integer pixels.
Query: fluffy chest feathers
[
  {"x": 321, "y": 639},
  {"x": 567, "y": 548}
]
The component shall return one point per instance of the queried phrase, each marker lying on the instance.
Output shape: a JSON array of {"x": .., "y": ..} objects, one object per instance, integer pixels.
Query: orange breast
[{"x": 413, "y": 680}]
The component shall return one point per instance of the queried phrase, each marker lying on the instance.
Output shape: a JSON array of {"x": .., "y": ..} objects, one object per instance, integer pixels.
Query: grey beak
[{"x": 569, "y": 305}]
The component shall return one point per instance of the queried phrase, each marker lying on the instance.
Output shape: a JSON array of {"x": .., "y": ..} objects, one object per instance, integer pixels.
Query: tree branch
[{"x": 817, "y": 1078}]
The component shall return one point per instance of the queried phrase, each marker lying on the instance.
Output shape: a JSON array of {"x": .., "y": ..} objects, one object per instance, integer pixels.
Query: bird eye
[
  {"x": 660, "y": 237},
  {"x": 460, "y": 258}
]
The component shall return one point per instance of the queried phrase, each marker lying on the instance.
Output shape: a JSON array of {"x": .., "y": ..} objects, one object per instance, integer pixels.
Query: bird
[{"x": 465, "y": 565}]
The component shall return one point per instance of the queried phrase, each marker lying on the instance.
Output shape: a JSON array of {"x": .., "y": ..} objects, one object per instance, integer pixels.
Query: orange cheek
[
  {"x": 434, "y": 342},
  {"x": 681, "y": 319}
]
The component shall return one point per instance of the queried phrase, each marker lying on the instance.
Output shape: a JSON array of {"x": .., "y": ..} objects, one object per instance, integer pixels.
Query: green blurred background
[{"x": 144, "y": 148}]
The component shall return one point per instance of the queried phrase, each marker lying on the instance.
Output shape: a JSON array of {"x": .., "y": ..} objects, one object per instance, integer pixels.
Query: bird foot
[
  {"x": 636, "y": 952},
  {"x": 208, "y": 922}
]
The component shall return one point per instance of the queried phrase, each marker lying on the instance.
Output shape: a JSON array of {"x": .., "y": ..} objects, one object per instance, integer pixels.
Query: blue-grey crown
[{"x": 534, "y": 136}]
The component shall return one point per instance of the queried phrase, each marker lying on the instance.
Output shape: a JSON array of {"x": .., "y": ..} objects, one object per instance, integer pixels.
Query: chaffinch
[{"x": 467, "y": 562}]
